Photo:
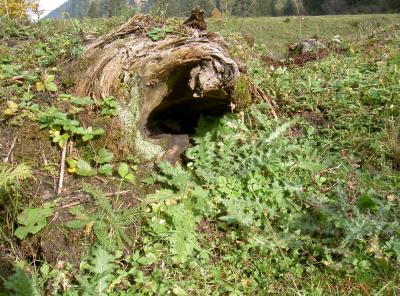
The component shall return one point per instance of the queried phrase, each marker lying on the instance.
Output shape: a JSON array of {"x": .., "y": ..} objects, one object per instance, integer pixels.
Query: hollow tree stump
[{"x": 163, "y": 86}]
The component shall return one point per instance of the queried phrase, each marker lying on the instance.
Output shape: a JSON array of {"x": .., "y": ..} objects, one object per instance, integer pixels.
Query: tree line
[
  {"x": 240, "y": 8},
  {"x": 254, "y": 8}
]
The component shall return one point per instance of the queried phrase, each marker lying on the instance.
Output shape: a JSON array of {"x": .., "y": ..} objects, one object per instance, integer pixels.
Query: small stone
[{"x": 306, "y": 46}]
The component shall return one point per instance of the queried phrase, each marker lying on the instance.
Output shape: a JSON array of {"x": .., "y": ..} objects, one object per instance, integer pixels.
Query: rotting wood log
[{"x": 163, "y": 86}]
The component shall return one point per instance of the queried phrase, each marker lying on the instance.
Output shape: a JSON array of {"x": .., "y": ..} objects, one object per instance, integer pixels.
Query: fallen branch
[
  {"x": 108, "y": 195},
  {"x": 62, "y": 168},
  {"x": 117, "y": 193},
  {"x": 71, "y": 205},
  {"x": 269, "y": 102}
]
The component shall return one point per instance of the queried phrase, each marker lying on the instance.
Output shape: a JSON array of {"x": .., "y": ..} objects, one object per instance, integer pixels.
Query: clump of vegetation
[{"x": 243, "y": 92}]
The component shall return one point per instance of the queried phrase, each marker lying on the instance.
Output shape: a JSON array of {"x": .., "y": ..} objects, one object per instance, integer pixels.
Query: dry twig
[
  {"x": 7, "y": 158},
  {"x": 269, "y": 102},
  {"x": 108, "y": 195},
  {"x": 62, "y": 168}
]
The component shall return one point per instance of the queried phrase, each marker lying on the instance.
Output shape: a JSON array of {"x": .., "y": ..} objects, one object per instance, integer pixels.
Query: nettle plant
[
  {"x": 62, "y": 127},
  {"x": 65, "y": 126},
  {"x": 102, "y": 160}
]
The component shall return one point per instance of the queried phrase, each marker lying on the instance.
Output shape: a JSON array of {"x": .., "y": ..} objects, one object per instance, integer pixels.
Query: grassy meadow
[
  {"x": 276, "y": 33},
  {"x": 307, "y": 203}
]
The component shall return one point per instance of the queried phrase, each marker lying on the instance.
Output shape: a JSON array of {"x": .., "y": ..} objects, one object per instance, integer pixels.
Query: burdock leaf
[{"x": 32, "y": 220}]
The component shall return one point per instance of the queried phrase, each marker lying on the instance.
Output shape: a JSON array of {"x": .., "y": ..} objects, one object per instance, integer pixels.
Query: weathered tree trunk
[{"x": 163, "y": 86}]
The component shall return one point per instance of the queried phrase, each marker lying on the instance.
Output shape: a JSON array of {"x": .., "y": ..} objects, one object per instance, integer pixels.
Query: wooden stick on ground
[
  {"x": 108, "y": 195},
  {"x": 62, "y": 168},
  {"x": 7, "y": 158},
  {"x": 269, "y": 102}
]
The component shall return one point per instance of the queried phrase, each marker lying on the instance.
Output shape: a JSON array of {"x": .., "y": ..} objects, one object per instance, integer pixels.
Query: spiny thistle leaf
[
  {"x": 21, "y": 284},
  {"x": 102, "y": 267}
]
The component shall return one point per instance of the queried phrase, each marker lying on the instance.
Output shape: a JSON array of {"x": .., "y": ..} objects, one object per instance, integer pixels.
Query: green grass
[
  {"x": 308, "y": 204},
  {"x": 276, "y": 34}
]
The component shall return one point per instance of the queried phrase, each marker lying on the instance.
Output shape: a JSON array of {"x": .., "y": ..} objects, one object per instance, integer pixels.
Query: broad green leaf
[
  {"x": 178, "y": 291},
  {"x": 33, "y": 108},
  {"x": 49, "y": 83},
  {"x": 106, "y": 169},
  {"x": 123, "y": 169},
  {"x": 367, "y": 202},
  {"x": 86, "y": 101},
  {"x": 130, "y": 178},
  {"x": 59, "y": 138},
  {"x": 103, "y": 156},
  {"x": 84, "y": 169},
  {"x": 27, "y": 96},
  {"x": 51, "y": 86},
  {"x": 90, "y": 134},
  {"x": 32, "y": 220},
  {"x": 150, "y": 258},
  {"x": 49, "y": 78}
]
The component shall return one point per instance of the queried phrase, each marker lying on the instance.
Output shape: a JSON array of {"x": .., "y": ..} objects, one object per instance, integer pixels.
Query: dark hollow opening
[{"x": 180, "y": 111}]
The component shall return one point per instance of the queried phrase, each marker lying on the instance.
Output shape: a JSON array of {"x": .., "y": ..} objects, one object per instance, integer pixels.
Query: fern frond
[{"x": 9, "y": 174}]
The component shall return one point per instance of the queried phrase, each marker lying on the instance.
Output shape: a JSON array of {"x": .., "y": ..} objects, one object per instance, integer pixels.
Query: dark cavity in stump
[{"x": 179, "y": 112}]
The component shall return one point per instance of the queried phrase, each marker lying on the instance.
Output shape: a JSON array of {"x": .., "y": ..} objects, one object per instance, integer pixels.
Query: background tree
[
  {"x": 18, "y": 8},
  {"x": 263, "y": 8},
  {"x": 241, "y": 7},
  {"x": 313, "y": 7},
  {"x": 289, "y": 8},
  {"x": 93, "y": 10},
  {"x": 334, "y": 6},
  {"x": 218, "y": 4},
  {"x": 272, "y": 8}
]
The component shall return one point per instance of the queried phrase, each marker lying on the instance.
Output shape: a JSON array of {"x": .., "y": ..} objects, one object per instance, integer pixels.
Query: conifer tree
[
  {"x": 272, "y": 8},
  {"x": 289, "y": 9},
  {"x": 241, "y": 7}
]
